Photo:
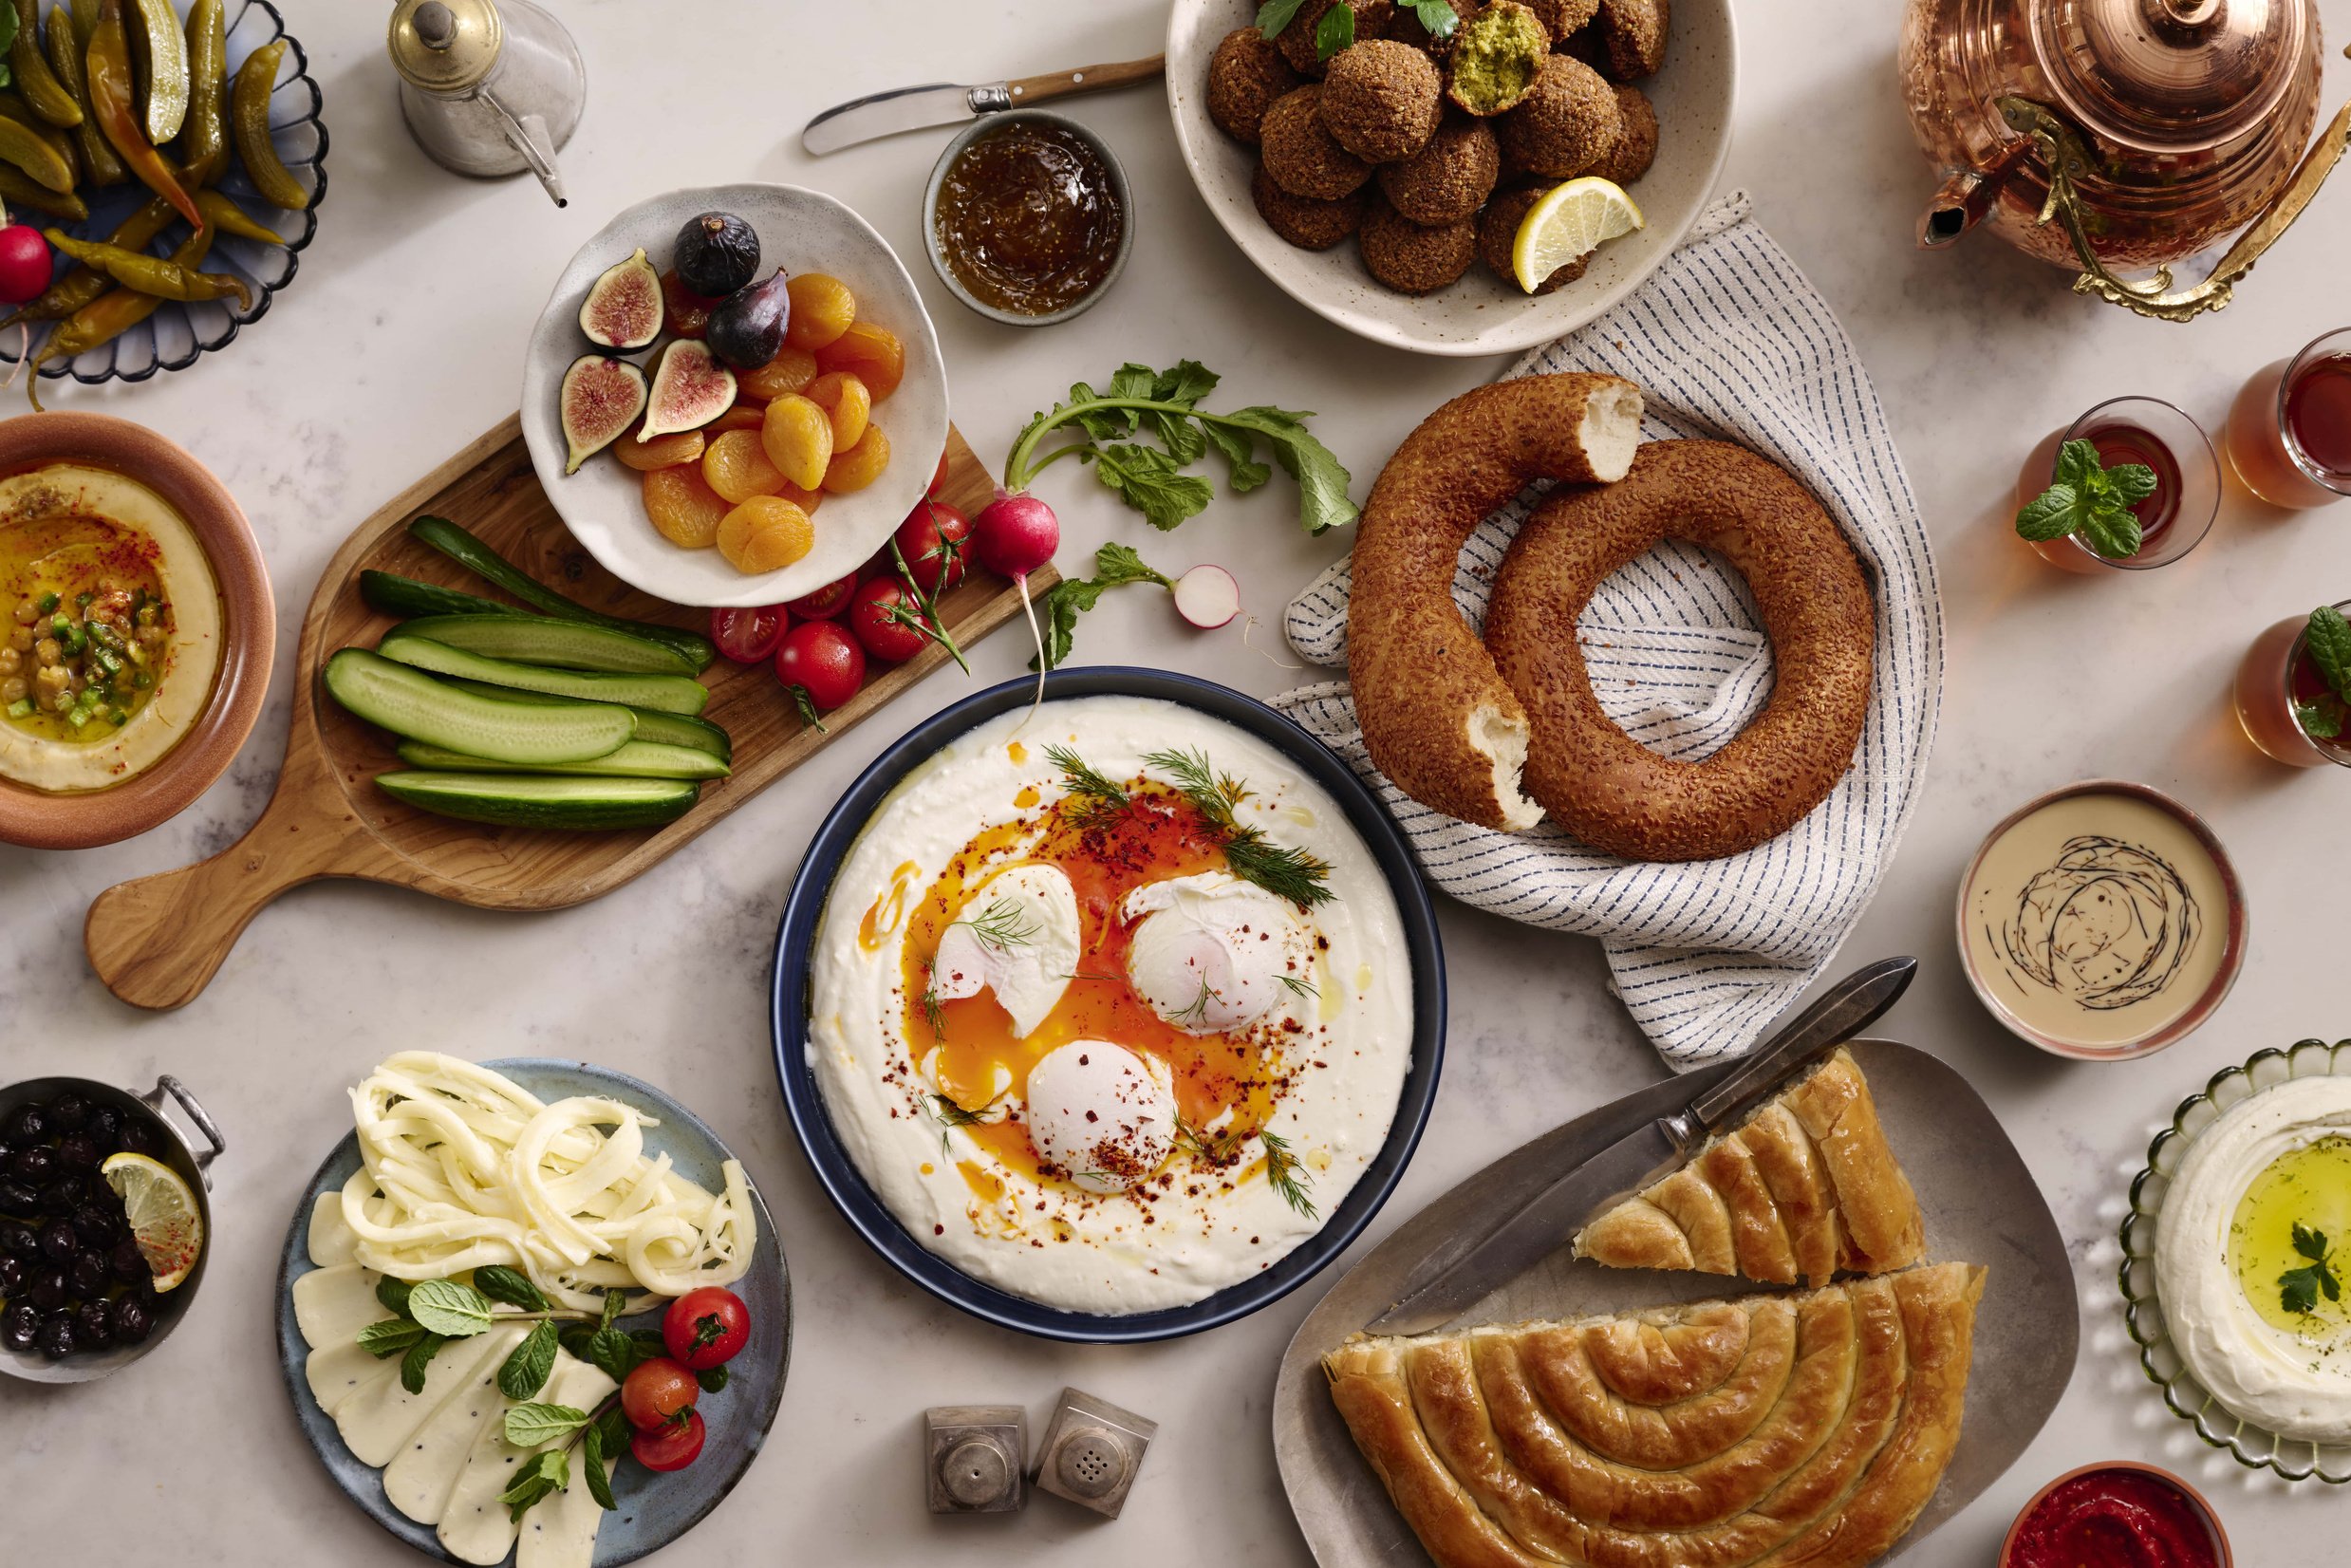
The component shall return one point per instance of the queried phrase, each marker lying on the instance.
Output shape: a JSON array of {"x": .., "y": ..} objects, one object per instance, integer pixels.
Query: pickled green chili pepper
[
  {"x": 113, "y": 102},
  {"x": 110, "y": 315},
  {"x": 60, "y": 142},
  {"x": 231, "y": 219},
  {"x": 81, "y": 285},
  {"x": 65, "y": 59},
  {"x": 149, "y": 276},
  {"x": 34, "y": 76},
  {"x": 248, "y": 117},
  {"x": 19, "y": 189},
  {"x": 204, "y": 138},
  {"x": 30, "y": 150}
]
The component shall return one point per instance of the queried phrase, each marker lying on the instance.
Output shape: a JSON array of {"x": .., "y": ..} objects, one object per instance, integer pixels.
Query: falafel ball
[
  {"x": 1409, "y": 29},
  {"x": 1565, "y": 127},
  {"x": 1498, "y": 233},
  {"x": 1563, "y": 18},
  {"x": 1296, "y": 40},
  {"x": 1448, "y": 179},
  {"x": 1411, "y": 258},
  {"x": 1498, "y": 55},
  {"x": 1635, "y": 148},
  {"x": 1382, "y": 100},
  {"x": 1245, "y": 75},
  {"x": 1634, "y": 31},
  {"x": 1306, "y": 223},
  {"x": 1301, "y": 152}
]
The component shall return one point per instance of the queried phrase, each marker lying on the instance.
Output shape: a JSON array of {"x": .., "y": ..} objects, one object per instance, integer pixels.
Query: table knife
[
  {"x": 1454, "y": 1278},
  {"x": 947, "y": 104}
]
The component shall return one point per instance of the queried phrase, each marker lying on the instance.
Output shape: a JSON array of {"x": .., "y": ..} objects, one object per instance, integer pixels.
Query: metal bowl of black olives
[{"x": 77, "y": 1296}]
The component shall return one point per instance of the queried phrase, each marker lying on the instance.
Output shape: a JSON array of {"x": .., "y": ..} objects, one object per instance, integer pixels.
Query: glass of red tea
[
  {"x": 2282, "y": 697},
  {"x": 2173, "y": 520},
  {"x": 2289, "y": 430}
]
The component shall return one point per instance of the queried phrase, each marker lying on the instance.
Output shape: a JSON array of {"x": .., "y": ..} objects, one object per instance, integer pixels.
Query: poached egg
[
  {"x": 1210, "y": 951},
  {"x": 1097, "y": 1111},
  {"x": 1015, "y": 936}
]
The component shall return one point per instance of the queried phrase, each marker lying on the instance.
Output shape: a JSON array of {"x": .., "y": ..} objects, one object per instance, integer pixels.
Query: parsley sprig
[
  {"x": 2299, "y": 1289},
  {"x": 1284, "y": 872},
  {"x": 2092, "y": 501},
  {"x": 2328, "y": 638},
  {"x": 1163, "y": 406}
]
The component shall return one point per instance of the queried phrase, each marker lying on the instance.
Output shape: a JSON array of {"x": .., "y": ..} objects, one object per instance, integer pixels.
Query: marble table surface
[{"x": 403, "y": 339}]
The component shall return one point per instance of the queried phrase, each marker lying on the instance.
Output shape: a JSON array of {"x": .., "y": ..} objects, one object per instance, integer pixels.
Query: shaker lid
[
  {"x": 2171, "y": 76},
  {"x": 445, "y": 45}
]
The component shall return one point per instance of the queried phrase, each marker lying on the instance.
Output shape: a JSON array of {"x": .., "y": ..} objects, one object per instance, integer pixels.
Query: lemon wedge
[
  {"x": 163, "y": 1212},
  {"x": 1571, "y": 220}
]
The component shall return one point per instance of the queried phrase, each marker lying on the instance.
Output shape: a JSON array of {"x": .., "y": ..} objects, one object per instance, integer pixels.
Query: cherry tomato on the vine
[
  {"x": 823, "y": 659},
  {"x": 670, "y": 1447},
  {"x": 751, "y": 634},
  {"x": 933, "y": 541},
  {"x": 884, "y": 616},
  {"x": 705, "y": 1327},
  {"x": 655, "y": 1393},
  {"x": 825, "y": 601}
]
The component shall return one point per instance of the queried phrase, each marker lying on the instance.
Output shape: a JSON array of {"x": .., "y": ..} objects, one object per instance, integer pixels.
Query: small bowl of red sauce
[
  {"x": 1027, "y": 217},
  {"x": 2119, "y": 1513}
]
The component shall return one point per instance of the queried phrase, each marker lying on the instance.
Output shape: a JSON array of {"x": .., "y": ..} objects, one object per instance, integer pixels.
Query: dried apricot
[
  {"x": 845, "y": 397},
  {"x": 806, "y": 501},
  {"x": 743, "y": 416},
  {"x": 736, "y": 467},
  {"x": 799, "y": 434},
  {"x": 790, "y": 371},
  {"x": 765, "y": 533},
  {"x": 861, "y": 464},
  {"x": 872, "y": 354},
  {"x": 686, "y": 511},
  {"x": 822, "y": 309},
  {"x": 679, "y": 446}
]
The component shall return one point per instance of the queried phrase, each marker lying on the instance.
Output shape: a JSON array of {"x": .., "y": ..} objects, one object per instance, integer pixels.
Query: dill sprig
[
  {"x": 1285, "y": 872},
  {"x": 933, "y": 1009},
  {"x": 1098, "y": 797},
  {"x": 1299, "y": 986},
  {"x": 949, "y": 1115},
  {"x": 1281, "y": 1170},
  {"x": 1197, "y": 1012},
  {"x": 1003, "y": 924}
]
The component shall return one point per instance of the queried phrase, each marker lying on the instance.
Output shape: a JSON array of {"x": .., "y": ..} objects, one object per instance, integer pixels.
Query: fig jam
[{"x": 1029, "y": 219}]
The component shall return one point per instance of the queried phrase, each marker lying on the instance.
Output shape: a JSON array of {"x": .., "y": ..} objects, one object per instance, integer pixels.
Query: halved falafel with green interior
[
  {"x": 1296, "y": 40},
  {"x": 1635, "y": 148},
  {"x": 1448, "y": 179},
  {"x": 1498, "y": 53},
  {"x": 1245, "y": 75},
  {"x": 1563, "y": 18},
  {"x": 1382, "y": 100},
  {"x": 1309, "y": 224},
  {"x": 1565, "y": 127},
  {"x": 1498, "y": 235},
  {"x": 1410, "y": 257},
  {"x": 1301, "y": 152},
  {"x": 1634, "y": 31}
]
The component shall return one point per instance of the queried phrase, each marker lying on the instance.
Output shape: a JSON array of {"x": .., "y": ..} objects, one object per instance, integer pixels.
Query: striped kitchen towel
[{"x": 1729, "y": 340}]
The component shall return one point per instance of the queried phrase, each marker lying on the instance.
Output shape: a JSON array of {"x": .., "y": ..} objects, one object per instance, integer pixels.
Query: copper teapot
[{"x": 2120, "y": 136}]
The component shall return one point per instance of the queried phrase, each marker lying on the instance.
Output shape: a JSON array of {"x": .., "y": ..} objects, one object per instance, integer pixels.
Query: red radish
[
  {"x": 25, "y": 265},
  {"x": 1207, "y": 597},
  {"x": 1012, "y": 536},
  {"x": 825, "y": 601},
  {"x": 750, "y": 635}
]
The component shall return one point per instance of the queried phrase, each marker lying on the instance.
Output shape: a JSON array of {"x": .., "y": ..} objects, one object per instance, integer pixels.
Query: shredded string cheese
[{"x": 460, "y": 1168}]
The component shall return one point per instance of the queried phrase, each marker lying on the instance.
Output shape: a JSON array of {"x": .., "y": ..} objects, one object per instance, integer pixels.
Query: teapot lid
[
  {"x": 445, "y": 45},
  {"x": 2171, "y": 76}
]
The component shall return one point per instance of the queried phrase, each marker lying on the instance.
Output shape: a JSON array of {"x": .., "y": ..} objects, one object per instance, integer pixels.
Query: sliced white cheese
[
  {"x": 332, "y": 1241},
  {"x": 332, "y": 1304},
  {"x": 476, "y": 1527},
  {"x": 377, "y": 1420},
  {"x": 422, "y": 1474},
  {"x": 338, "y": 1371},
  {"x": 561, "y": 1532}
]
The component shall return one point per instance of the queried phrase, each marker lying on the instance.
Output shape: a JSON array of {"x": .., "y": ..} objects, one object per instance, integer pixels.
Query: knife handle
[
  {"x": 1025, "y": 90},
  {"x": 1842, "y": 1011}
]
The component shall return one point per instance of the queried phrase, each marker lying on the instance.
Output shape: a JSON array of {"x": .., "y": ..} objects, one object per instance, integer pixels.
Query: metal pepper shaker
[{"x": 488, "y": 87}]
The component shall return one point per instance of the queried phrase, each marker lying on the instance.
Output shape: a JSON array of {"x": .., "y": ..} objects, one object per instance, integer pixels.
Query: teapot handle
[{"x": 2066, "y": 158}]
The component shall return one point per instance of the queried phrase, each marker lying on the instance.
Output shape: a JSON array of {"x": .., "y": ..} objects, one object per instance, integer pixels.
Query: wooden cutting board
[{"x": 158, "y": 941}]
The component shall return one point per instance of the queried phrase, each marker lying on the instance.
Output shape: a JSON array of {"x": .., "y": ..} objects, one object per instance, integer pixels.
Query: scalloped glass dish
[
  {"x": 175, "y": 334},
  {"x": 2253, "y": 1445}
]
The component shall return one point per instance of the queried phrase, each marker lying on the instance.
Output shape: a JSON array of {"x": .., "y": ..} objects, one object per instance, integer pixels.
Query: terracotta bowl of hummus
[{"x": 136, "y": 629}]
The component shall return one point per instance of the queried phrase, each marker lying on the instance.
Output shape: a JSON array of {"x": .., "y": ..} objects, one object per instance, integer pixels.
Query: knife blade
[
  {"x": 949, "y": 103},
  {"x": 1454, "y": 1278}
]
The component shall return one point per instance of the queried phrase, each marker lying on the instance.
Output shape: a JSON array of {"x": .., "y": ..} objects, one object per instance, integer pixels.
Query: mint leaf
[
  {"x": 2328, "y": 638},
  {"x": 713, "y": 1379},
  {"x": 2310, "y": 1243},
  {"x": 2052, "y": 515},
  {"x": 2112, "y": 531},
  {"x": 1147, "y": 479},
  {"x": 617, "y": 1353},
  {"x": 528, "y": 1426},
  {"x": 526, "y": 1369},
  {"x": 615, "y": 1302},
  {"x": 592, "y": 1465},
  {"x": 2134, "y": 482},
  {"x": 1275, "y": 15},
  {"x": 1335, "y": 31},
  {"x": 511, "y": 1286},
  {"x": 394, "y": 1294},
  {"x": 448, "y": 1308},
  {"x": 545, "y": 1472},
  {"x": 2076, "y": 465},
  {"x": 390, "y": 1337},
  {"x": 419, "y": 1357},
  {"x": 2320, "y": 721}
]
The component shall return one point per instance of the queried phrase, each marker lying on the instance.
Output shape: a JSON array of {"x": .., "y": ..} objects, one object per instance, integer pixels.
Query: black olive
[
  {"x": 139, "y": 1137},
  {"x": 79, "y": 1151},
  {"x": 18, "y": 1197},
  {"x": 47, "y": 1290},
  {"x": 11, "y": 1276},
  {"x": 27, "y": 1124},
  {"x": 109, "y": 1128},
  {"x": 93, "y": 1324},
  {"x": 35, "y": 1165},
  {"x": 98, "y": 1226},
  {"x": 86, "y": 1275},
  {"x": 58, "y": 1241},
  {"x": 133, "y": 1320},
  {"x": 56, "y": 1340},
  {"x": 7, "y": 1152},
  {"x": 63, "y": 1195},
  {"x": 69, "y": 1112},
  {"x": 127, "y": 1264},
  {"x": 19, "y": 1240},
  {"x": 20, "y": 1326}
]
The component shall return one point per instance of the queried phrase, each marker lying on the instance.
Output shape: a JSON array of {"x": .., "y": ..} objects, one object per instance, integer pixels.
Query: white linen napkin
[{"x": 1727, "y": 341}]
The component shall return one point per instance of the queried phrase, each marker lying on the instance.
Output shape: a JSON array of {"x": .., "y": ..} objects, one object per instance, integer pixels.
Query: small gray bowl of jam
[{"x": 1027, "y": 219}]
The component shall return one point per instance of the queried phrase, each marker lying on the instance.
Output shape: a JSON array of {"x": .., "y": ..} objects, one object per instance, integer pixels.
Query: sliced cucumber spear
[
  {"x": 405, "y": 596},
  {"x": 541, "y": 640},
  {"x": 668, "y": 693},
  {"x": 540, "y": 800},
  {"x": 480, "y": 559},
  {"x": 637, "y": 759},
  {"x": 415, "y": 706},
  {"x": 666, "y": 729}
]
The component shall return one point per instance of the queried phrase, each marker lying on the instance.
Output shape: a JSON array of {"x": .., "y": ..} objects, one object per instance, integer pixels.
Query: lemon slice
[
  {"x": 1571, "y": 220},
  {"x": 163, "y": 1212}
]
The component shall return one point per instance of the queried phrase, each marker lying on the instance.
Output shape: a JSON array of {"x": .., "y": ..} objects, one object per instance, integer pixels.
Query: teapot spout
[
  {"x": 1966, "y": 199},
  {"x": 530, "y": 137}
]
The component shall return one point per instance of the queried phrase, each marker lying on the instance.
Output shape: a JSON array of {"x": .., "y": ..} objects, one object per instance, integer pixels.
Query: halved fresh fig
[
  {"x": 716, "y": 253},
  {"x": 623, "y": 305},
  {"x": 747, "y": 329},
  {"x": 690, "y": 389},
  {"x": 602, "y": 398}
]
